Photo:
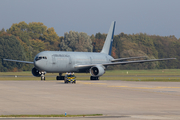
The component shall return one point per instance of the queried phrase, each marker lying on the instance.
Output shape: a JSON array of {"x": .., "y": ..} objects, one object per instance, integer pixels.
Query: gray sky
[{"x": 154, "y": 17}]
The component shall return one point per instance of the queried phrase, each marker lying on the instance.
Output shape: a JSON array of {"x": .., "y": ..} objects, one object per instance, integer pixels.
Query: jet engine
[
  {"x": 35, "y": 72},
  {"x": 97, "y": 71}
]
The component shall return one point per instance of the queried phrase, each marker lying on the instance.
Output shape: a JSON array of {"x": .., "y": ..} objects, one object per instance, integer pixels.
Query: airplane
[{"x": 94, "y": 63}]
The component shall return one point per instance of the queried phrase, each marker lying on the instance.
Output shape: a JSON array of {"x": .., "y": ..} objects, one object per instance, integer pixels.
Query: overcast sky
[{"x": 154, "y": 17}]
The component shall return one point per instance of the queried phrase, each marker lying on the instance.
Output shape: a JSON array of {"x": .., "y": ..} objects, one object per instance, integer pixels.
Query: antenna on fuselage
[{"x": 107, "y": 48}]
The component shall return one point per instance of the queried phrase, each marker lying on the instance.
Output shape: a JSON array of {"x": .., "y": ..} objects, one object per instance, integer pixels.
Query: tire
[
  {"x": 94, "y": 78},
  {"x": 42, "y": 78},
  {"x": 62, "y": 77}
]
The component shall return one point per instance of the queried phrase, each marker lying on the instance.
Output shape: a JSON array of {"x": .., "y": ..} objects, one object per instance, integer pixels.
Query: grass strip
[
  {"x": 124, "y": 75},
  {"x": 53, "y": 115}
]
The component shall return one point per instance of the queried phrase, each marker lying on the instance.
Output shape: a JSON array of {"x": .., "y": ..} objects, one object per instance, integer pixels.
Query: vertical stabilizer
[{"x": 109, "y": 39}]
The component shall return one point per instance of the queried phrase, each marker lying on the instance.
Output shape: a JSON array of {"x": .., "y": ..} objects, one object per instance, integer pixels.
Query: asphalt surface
[{"x": 114, "y": 99}]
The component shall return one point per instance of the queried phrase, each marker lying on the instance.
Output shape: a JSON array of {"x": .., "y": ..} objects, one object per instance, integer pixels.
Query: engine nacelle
[
  {"x": 35, "y": 72},
  {"x": 97, "y": 71}
]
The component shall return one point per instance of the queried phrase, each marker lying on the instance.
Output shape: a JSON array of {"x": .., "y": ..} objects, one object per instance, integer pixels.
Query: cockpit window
[{"x": 40, "y": 57}]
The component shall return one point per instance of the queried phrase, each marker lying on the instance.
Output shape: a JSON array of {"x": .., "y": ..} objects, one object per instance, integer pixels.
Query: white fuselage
[{"x": 63, "y": 61}]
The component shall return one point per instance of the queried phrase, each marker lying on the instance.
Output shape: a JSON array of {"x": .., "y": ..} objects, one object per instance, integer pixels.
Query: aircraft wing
[
  {"x": 27, "y": 62},
  {"x": 123, "y": 63},
  {"x": 120, "y": 59}
]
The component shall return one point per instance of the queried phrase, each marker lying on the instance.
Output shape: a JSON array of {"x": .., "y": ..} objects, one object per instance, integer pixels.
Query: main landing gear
[
  {"x": 43, "y": 75},
  {"x": 60, "y": 77},
  {"x": 94, "y": 78}
]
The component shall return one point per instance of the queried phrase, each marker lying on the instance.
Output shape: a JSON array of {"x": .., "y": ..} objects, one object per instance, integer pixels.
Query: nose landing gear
[{"x": 43, "y": 75}]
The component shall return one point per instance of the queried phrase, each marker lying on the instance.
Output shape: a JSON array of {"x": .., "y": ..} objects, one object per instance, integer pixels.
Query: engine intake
[
  {"x": 35, "y": 72},
  {"x": 97, "y": 71}
]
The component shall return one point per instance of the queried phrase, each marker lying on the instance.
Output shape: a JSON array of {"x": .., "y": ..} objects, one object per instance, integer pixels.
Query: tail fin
[{"x": 107, "y": 48}]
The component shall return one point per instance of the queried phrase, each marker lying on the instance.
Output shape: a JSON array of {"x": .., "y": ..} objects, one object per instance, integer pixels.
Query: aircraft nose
[
  {"x": 40, "y": 62},
  {"x": 36, "y": 64}
]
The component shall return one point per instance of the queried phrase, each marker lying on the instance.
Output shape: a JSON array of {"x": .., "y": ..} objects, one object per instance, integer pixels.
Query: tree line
[{"x": 23, "y": 41}]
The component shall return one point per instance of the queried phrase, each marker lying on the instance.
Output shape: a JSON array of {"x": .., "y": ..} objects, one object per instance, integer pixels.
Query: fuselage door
[{"x": 53, "y": 59}]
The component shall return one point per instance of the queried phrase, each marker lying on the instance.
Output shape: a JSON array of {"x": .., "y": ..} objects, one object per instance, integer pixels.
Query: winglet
[{"x": 107, "y": 48}]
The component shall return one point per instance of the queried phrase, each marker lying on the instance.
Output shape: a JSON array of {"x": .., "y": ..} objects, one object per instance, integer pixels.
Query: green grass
[
  {"x": 83, "y": 115},
  {"x": 28, "y": 73},
  {"x": 124, "y": 75},
  {"x": 144, "y": 72}
]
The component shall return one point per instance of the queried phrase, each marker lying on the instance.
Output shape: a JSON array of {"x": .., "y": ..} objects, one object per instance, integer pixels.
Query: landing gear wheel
[
  {"x": 94, "y": 78},
  {"x": 60, "y": 78},
  {"x": 57, "y": 78},
  {"x": 42, "y": 78},
  {"x": 43, "y": 75}
]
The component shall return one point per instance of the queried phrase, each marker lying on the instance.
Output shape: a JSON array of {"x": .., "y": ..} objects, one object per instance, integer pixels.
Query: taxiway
[{"x": 114, "y": 99}]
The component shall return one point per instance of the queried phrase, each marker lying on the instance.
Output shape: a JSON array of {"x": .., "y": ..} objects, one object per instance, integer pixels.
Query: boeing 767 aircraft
[{"x": 79, "y": 62}]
